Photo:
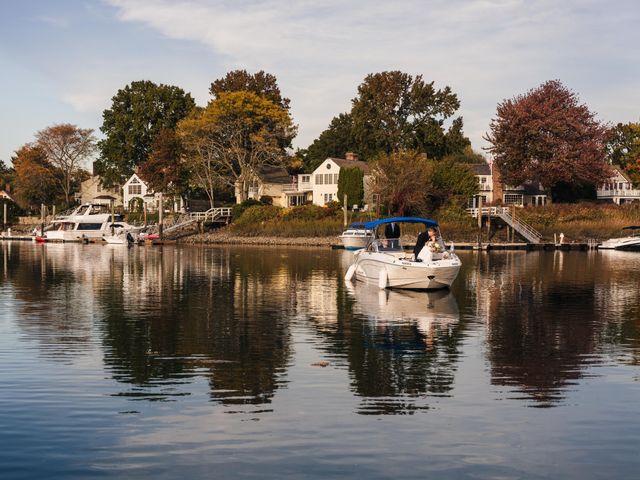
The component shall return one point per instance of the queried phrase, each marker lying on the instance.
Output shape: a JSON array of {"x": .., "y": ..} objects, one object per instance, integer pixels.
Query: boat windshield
[{"x": 386, "y": 245}]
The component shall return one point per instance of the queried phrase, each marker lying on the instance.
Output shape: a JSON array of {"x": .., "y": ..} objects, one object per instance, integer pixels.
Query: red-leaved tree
[{"x": 546, "y": 135}]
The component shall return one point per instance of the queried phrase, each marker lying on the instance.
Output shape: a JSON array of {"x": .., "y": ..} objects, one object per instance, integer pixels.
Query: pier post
[
  {"x": 42, "y": 207},
  {"x": 479, "y": 222},
  {"x": 344, "y": 209},
  {"x": 160, "y": 215},
  {"x": 4, "y": 215},
  {"x": 113, "y": 215}
]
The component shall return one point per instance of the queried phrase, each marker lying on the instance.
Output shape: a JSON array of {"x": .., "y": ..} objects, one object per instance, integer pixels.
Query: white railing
[
  {"x": 618, "y": 193},
  {"x": 211, "y": 214},
  {"x": 527, "y": 231}
]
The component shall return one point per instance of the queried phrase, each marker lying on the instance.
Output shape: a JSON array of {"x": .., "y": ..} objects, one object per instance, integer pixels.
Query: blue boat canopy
[{"x": 383, "y": 221}]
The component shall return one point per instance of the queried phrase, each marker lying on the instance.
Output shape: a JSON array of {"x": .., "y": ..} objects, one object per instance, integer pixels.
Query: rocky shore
[{"x": 223, "y": 236}]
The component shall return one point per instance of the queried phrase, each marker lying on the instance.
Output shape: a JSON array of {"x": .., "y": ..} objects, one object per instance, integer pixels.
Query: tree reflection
[{"x": 545, "y": 326}]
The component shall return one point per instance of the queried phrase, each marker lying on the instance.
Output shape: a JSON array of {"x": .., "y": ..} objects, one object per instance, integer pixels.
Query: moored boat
[
  {"x": 385, "y": 262},
  {"x": 355, "y": 236},
  {"x": 87, "y": 222},
  {"x": 630, "y": 241}
]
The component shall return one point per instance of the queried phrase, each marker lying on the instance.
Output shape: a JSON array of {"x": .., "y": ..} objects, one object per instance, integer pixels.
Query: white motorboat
[
  {"x": 87, "y": 222},
  {"x": 356, "y": 236},
  {"x": 385, "y": 263},
  {"x": 629, "y": 242},
  {"x": 121, "y": 236}
]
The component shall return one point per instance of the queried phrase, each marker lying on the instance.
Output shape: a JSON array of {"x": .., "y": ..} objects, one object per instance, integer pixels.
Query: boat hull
[
  {"x": 402, "y": 273},
  {"x": 354, "y": 243}
]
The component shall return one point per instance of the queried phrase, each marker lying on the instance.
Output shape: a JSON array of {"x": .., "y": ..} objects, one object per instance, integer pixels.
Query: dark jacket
[
  {"x": 392, "y": 230},
  {"x": 423, "y": 237}
]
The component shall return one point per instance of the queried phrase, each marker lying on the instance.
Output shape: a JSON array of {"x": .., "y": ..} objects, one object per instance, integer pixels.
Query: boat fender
[
  {"x": 350, "y": 272},
  {"x": 382, "y": 279}
]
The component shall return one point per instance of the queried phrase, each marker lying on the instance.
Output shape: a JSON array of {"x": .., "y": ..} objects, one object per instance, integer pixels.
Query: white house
[
  {"x": 619, "y": 189},
  {"x": 92, "y": 191},
  {"x": 482, "y": 172},
  {"x": 137, "y": 193},
  {"x": 319, "y": 187}
]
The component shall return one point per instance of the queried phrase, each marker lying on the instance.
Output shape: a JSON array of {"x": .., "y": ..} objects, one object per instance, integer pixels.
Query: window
[
  {"x": 305, "y": 178},
  {"x": 483, "y": 179},
  {"x": 512, "y": 199},
  {"x": 327, "y": 178},
  {"x": 319, "y": 179},
  {"x": 335, "y": 178},
  {"x": 135, "y": 189},
  {"x": 328, "y": 197},
  {"x": 89, "y": 226}
]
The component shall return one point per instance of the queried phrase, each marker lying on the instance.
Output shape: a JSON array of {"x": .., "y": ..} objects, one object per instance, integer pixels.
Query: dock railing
[{"x": 504, "y": 213}]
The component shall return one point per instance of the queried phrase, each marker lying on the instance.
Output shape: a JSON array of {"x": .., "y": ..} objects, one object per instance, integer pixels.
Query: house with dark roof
[
  {"x": 318, "y": 187},
  {"x": 618, "y": 189},
  {"x": 270, "y": 182},
  {"x": 492, "y": 190}
]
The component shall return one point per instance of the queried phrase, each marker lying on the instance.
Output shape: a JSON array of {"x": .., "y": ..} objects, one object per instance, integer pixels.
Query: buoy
[
  {"x": 382, "y": 279},
  {"x": 350, "y": 272}
]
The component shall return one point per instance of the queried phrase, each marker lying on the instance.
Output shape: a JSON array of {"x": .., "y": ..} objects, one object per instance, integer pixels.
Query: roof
[
  {"x": 344, "y": 163},
  {"x": 481, "y": 168},
  {"x": 621, "y": 172},
  {"x": 271, "y": 174},
  {"x": 383, "y": 221}
]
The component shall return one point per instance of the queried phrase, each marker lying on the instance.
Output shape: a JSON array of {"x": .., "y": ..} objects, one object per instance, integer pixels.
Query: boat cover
[{"x": 383, "y": 221}]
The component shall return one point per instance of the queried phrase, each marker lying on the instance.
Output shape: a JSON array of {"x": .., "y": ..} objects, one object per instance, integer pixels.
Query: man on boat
[{"x": 392, "y": 233}]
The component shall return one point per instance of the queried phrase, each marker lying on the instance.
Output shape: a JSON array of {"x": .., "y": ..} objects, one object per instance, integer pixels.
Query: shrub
[
  {"x": 257, "y": 214},
  {"x": 238, "y": 209}
]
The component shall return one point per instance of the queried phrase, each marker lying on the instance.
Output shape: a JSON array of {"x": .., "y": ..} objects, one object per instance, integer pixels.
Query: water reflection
[
  {"x": 549, "y": 317},
  {"x": 160, "y": 319}
]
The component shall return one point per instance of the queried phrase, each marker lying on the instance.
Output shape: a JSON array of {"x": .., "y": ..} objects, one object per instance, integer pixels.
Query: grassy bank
[{"x": 313, "y": 225}]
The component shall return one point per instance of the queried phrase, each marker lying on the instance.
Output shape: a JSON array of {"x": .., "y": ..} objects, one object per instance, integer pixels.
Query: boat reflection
[{"x": 409, "y": 348}]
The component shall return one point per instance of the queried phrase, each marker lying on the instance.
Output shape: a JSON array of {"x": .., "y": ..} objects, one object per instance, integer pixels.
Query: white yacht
[
  {"x": 631, "y": 241},
  {"x": 355, "y": 236},
  {"x": 87, "y": 222},
  {"x": 385, "y": 262}
]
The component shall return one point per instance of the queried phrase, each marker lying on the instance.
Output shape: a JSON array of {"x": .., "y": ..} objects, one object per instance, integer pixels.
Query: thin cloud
[{"x": 486, "y": 50}]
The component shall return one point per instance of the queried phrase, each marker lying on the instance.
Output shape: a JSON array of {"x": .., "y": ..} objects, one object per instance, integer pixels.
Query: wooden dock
[{"x": 509, "y": 246}]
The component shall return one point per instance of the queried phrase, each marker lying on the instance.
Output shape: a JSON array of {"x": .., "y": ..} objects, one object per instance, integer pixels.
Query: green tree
[
  {"x": 546, "y": 135},
  {"x": 623, "y": 149},
  {"x": 261, "y": 83},
  {"x": 335, "y": 141},
  {"x": 36, "y": 180},
  {"x": 350, "y": 183},
  {"x": 67, "y": 147},
  {"x": 138, "y": 112},
  {"x": 395, "y": 111},
  {"x": 230, "y": 140},
  {"x": 451, "y": 182},
  {"x": 400, "y": 179}
]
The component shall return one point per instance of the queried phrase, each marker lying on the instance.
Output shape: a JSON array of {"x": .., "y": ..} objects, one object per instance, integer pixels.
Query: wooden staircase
[{"x": 527, "y": 232}]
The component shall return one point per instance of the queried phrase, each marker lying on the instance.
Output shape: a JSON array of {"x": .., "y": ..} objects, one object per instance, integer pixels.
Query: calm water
[{"x": 203, "y": 363}]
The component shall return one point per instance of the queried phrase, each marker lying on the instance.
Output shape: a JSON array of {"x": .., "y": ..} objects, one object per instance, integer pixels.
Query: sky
[{"x": 62, "y": 61}]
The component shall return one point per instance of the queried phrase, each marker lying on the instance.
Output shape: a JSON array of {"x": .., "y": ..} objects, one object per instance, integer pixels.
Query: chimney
[{"x": 351, "y": 156}]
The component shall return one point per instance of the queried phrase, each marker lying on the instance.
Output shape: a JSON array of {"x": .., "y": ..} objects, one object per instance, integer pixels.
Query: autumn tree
[
  {"x": 138, "y": 113},
  {"x": 36, "y": 180},
  {"x": 400, "y": 180},
  {"x": 230, "y": 140},
  {"x": 546, "y": 135},
  {"x": 624, "y": 149},
  {"x": 67, "y": 148},
  {"x": 164, "y": 170},
  {"x": 263, "y": 84}
]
